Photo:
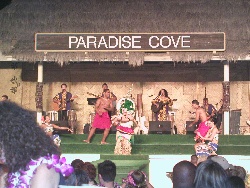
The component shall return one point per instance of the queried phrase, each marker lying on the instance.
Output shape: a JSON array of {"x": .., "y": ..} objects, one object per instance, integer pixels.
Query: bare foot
[
  {"x": 86, "y": 141},
  {"x": 103, "y": 143}
]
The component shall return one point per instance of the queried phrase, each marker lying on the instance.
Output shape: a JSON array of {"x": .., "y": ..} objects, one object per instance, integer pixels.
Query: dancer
[
  {"x": 101, "y": 120},
  {"x": 201, "y": 116},
  {"x": 49, "y": 129},
  {"x": 212, "y": 137},
  {"x": 124, "y": 133},
  {"x": 112, "y": 97}
]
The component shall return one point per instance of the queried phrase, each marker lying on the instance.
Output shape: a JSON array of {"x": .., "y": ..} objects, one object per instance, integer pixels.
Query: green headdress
[{"x": 128, "y": 105}]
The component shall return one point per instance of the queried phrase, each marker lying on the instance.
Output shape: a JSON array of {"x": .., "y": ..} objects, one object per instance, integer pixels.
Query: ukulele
[
  {"x": 156, "y": 108},
  {"x": 56, "y": 104}
]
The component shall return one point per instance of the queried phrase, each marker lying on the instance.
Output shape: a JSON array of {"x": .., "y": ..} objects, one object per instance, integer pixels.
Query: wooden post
[
  {"x": 39, "y": 93},
  {"x": 226, "y": 99}
]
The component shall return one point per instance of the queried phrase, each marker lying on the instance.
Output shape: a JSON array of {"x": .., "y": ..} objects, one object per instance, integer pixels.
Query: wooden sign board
[{"x": 146, "y": 42}]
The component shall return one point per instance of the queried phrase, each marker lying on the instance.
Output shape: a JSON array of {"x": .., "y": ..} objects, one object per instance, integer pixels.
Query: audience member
[
  {"x": 247, "y": 180},
  {"x": 77, "y": 178},
  {"x": 91, "y": 171},
  {"x": 236, "y": 182},
  {"x": 194, "y": 160},
  {"x": 184, "y": 174},
  {"x": 77, "y": 164},
  {"x": 210, "y": 174},
  {"x": 31, "y": 156},
  {"x": 237, "y": 171},
  {"x": 222, "y": 162},
  {"x": 107, "y": 174},
  {"x": 136, "y": 179},
  {"x": 201, "y": 159},
  {"x": 5, "y": 97}
]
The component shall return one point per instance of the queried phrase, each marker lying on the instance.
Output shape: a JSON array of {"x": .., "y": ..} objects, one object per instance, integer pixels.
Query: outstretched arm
[{"x": 61, "y": 128}]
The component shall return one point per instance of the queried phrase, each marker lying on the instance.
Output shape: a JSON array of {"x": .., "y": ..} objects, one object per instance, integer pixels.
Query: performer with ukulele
[
  {"x": 160, "y": 105},
  {"x": 62, "y": 102},
  {"x": 209, "y": 108}
]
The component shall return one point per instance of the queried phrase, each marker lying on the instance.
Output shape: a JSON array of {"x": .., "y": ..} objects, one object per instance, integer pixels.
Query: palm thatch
[{"x": 20, "y": 20}]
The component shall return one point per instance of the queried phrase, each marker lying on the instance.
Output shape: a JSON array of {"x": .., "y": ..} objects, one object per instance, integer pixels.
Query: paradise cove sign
[{"x": 147, "y": 42}]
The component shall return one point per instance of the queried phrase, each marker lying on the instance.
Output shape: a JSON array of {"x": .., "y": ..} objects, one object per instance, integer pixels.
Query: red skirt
[
  {"x": 102, "y": 121},
  {"x": 203, "y": 128},
  {"x": 125, "y": 130}
]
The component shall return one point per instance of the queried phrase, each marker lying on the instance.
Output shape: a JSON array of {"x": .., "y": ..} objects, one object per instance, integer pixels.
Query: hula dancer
[
  {"x": 124, "y": 122},
  {"x": 49, "y": 129}
]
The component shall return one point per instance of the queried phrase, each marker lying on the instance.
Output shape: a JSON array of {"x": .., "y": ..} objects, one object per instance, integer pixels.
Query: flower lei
[{"x": 21, "y": 178}]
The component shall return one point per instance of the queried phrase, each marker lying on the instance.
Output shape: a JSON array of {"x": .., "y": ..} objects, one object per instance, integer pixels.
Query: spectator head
[
  {"x": 136, "y": 179},
  {"x": 5, "y": 97},
  {"x": 237, "y": 171},
  {"x": 236, "y": 182},
  {"x": 201, "y": 159},
  {"x": 222, "y": 162},
  {"x": 91, "y": 171},
  {"x": 77, "y": 164},
  {"x": 184, "y": 174},
  {"x": 106, "y": 171},
  {"x": 19, "y": 135},
  {"x": 194, "y": 159},
  {"x": 210, "y": 174},
  {"x": 77, "y": 178}
]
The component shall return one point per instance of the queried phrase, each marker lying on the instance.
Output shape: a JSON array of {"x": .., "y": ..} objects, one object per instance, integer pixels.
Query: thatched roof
[{"x": 21, "y": 19}]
